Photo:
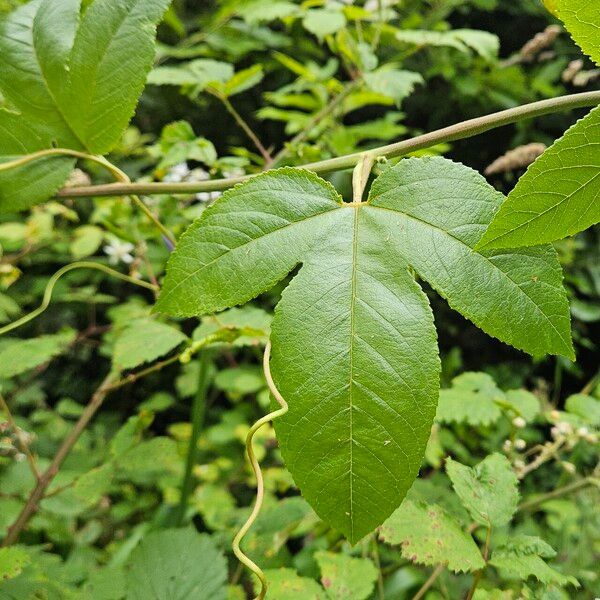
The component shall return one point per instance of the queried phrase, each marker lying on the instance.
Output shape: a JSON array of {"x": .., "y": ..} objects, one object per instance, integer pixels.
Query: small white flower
[
  {"x": 507, "y": 446},
  {"x": 520, "y": 444},
  {"x": 119, "y": 251},
  {"x": 233, "y": 172},
  {"x": 207, "y": 196},
  {"x": 198, "y": 174},
  {"x": 564, "y": 427},
  {"x": 177, "y": 173},
  {"x": 519, "y": 422}
]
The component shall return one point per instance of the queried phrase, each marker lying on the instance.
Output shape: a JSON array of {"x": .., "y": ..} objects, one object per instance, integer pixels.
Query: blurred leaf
[
  {"x": 178, "y": 564},
  {"x": 430, "y": 536},
  {"x": 198, "y": 73},
  {"x": 489, "y": 491},
  {"x": 18, "y": 356},
  {"x": 322, "y": 21},
  {"x": 12, "y": 562},
  {"x": 472, "y": 399},
  {"x": 584, "y": 406},
  {"x": 523, "y": 557},
  {"x": 346, "y": 578},
  {"x": 143, "y": 341},
  {"x": 286, "y": 584},
  {"x": 87, "y": 240}
]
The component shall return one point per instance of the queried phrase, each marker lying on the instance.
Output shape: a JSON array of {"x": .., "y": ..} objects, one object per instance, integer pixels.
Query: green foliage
[
  {"x": 428, "y": 535},
  {"x": 582, "y": 20},
  {"x": 285, "y": 583},
  {"x": 59, "y": 78},
  {"x": 489, "y": 491},
  {"x": 344, "y": 577},
  {"x": 558, "y": 194},
  {"x": 143, "y": 341},
  {"x": 523, "y": 557},
  {"x": 347, "y": 283},
  {"x": 177, "y": 564},
  {"x": 154, "y": 487},
  {"x": 18, "y": 356},
  {"x": 12, "y": 562}
]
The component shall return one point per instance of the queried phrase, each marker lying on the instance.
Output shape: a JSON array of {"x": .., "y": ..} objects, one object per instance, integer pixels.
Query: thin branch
[
  {"x": 557, "y": 493},
  {"x": 243, "y": 125},
  {"x": 430, "y": 581},
  {"x": 322, "y": 114},
  {"x": 460, "y": 131},
  {"x": 37, "y": 494}
]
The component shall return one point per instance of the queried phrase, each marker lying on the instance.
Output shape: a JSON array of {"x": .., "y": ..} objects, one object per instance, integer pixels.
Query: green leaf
[
  {"x": 472, "y": 399},
  {"x": 582, "y": 20},
  {"x": 250, "y": 318},
  {"x": 12, "y": 562},
  {"x": 18, "y": 356},
  {"x": 482, "y": 42},
  {"x": 87, "y": 240},
  {"x": 489, "y": 491},
  {"x": 430, "y": 536},
  {"x": 362, "y": 405},
  {"x": 437, "y": 212},
  {"x": 584, "y": 406},
  {"x": 243, "y": 80},
  {"x": 557, "y": 196},
  {"x": 178, "y": 564},
  {"x": 523, "y": 557},
  {"x": 286, "y": 584},
  {"x": 60, "y": 76},
  {"x": 394, "y": 83},
  {"x": 322, "y": 21},
  {"x": 346, "y": 578},
  {"x": 198, "y": 73},
  {"x": 522, "y": 403},
  {"x": 143, "y": 341}
]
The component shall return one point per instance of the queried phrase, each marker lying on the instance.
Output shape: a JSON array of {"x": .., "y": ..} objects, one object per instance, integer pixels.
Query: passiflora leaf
[
  {"x": 557, "y": 196},
  {"x": 582, "y": 20},
  {"x": 68, "y": 82},
  {"x": 354, "y": 345}
]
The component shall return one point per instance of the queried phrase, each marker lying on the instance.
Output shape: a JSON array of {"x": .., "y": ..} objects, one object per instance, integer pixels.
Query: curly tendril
[
  {"x": 54, "y": 279},
  {"x": 260, "y": 486}
]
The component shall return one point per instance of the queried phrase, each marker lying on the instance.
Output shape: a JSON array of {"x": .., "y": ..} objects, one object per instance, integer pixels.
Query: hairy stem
[
  {"x": 197, "y": 418},
  {"x": 459, "y": 131},
  {"x": 260, "y": 484}
]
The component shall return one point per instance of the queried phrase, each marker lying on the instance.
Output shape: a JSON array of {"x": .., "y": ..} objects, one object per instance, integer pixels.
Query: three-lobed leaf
[
  {"x": 71, "y": 81},
  {"x": 558, "y": 196},
  {"x": 354, "y": 345}
]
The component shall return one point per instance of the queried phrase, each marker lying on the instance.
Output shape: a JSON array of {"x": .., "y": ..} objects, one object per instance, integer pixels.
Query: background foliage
[{"x": 234, "y": 83}]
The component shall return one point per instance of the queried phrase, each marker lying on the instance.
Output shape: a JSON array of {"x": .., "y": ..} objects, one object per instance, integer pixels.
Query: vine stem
[
  {"x": 430, "y": 581},
  {"x": 54, "y": 279},
  {"x": 119, "y": 175},
  {"x": 452, "y": 133},
  {"x": 260, "y": 485}
]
